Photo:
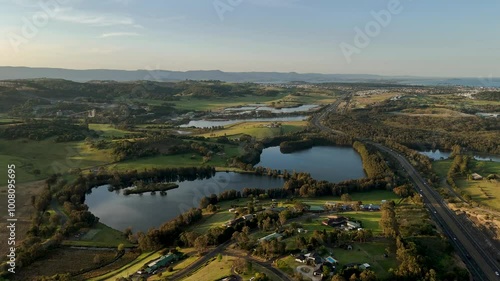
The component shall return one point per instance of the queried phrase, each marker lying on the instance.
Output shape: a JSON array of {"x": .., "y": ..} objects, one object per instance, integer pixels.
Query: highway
[{"x": 480, "y": 264}]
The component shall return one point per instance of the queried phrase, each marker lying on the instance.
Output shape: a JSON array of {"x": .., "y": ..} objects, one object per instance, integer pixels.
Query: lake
[
  {"x": 263, "y": 107},
  {"x": 437, "y": 155},
  {"x": 329, "y": 163},
  {"x": 142, "y": 212},
  {"x": 212, "y": 123}
]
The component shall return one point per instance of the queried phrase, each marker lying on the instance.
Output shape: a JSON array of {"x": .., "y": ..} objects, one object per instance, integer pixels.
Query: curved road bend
[{"x": 480, "y": 263}]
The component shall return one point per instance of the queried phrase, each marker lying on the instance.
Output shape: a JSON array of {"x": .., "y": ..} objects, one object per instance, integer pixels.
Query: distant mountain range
[{"x": 257, "y": 77}]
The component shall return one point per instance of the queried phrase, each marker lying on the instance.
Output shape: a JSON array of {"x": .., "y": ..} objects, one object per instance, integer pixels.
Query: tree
[
  {"x": 326, "y": 270},
  {"x": 241, "y": 265},
  {"x": 346, "y": 197},
  {"x": 367, "y": 275},
  {"x": 211, "y": 208},
  {"x": 261, "y": 277},
  {"x": 338, "y": 277},
  {"x": 201, "y": 243},
  {"x": 403, "y": 190},
  {"x": 283, "y": 216},
  {"x": 121, "y": 247},
  {"x": 219, "y": 257},
  {"x": 388, "y": 221},
  {"x": 128, "y": 231},
  {"x": 455, "y": 150}
]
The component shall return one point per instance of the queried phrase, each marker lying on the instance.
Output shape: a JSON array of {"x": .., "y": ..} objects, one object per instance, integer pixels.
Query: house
[
  {"x": 301, "y": 230},
  {"x": 234, "y": 222},
  {"x": 353, "y": 225},
  {"x": 270, "y": 237},
  {"x": 300, "y": 258},
  {"x": 278, "y": 209},
  {"x": 370, "y": 207},
  {"x": 364, "y": 266},
  {"x": 313, "y": 258},
  {"x": 163, "y": 261},
  {"x": 248, "y": 217},
  {"x": 476, "y": 176},
  {"x": 232, "y": 210},
  {"x": 335, "y": 221}
]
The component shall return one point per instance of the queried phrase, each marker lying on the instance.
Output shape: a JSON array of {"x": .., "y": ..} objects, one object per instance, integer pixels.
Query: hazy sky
[{"x": 388, "y": 37}]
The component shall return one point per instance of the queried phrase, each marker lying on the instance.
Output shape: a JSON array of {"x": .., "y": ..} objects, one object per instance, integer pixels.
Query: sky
[{"x": 446, "y": 38}]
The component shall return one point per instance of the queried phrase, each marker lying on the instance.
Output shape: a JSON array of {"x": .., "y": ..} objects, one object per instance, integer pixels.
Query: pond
[
  {"x": 329, "y": 163},
  {"x": 215, "y": 123},
  {"x": 142, "y": 212},
  {"x": 438, "y": 155},
  {"x": 263, "y": 107}
]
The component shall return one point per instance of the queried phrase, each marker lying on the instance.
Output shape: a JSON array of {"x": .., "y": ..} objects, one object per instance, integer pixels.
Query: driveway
[{"x": 307, "y": 271}]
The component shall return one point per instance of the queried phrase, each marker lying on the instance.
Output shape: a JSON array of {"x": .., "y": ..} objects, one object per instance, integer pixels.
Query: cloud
[
  {"x": 276, "y": 3},
  {"x": 92, "y": 19},
  {"x": 119, "y": 34}
]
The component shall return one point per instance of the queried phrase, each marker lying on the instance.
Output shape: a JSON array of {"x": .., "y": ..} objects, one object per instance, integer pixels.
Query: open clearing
[
  {"x": 483, "y": 191},
  {"x": 36, "y": 160},
  {"x": 177, "y": 160},
  {"x": 259, "y": 130}
]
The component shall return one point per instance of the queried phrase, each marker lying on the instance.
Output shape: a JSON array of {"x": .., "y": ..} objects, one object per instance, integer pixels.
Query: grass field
[
  {"x": 369, "y": 197},
  {"x": 37, "y": 160},
  {"x": 259, "y": 130},
  {"x": 369, "y": 220},
  {"x": 108, "y": 131},
  {"x": 441, "y": 167},
  {"x": 363, "y": 101},
  {"x": 222, "y": 102},
  {"x": 211, "y": 220},
  {"x": 177, "y": 160},
  {"x": 214, "y": 270},
  {"x": 484, "y": 191},
  {"x": 100, "y": 236}
]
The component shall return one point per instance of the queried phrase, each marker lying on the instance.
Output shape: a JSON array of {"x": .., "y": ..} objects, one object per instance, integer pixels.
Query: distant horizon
[
  {"x": 252, "y": 71},
  {"x": 387, "y": 37}
]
